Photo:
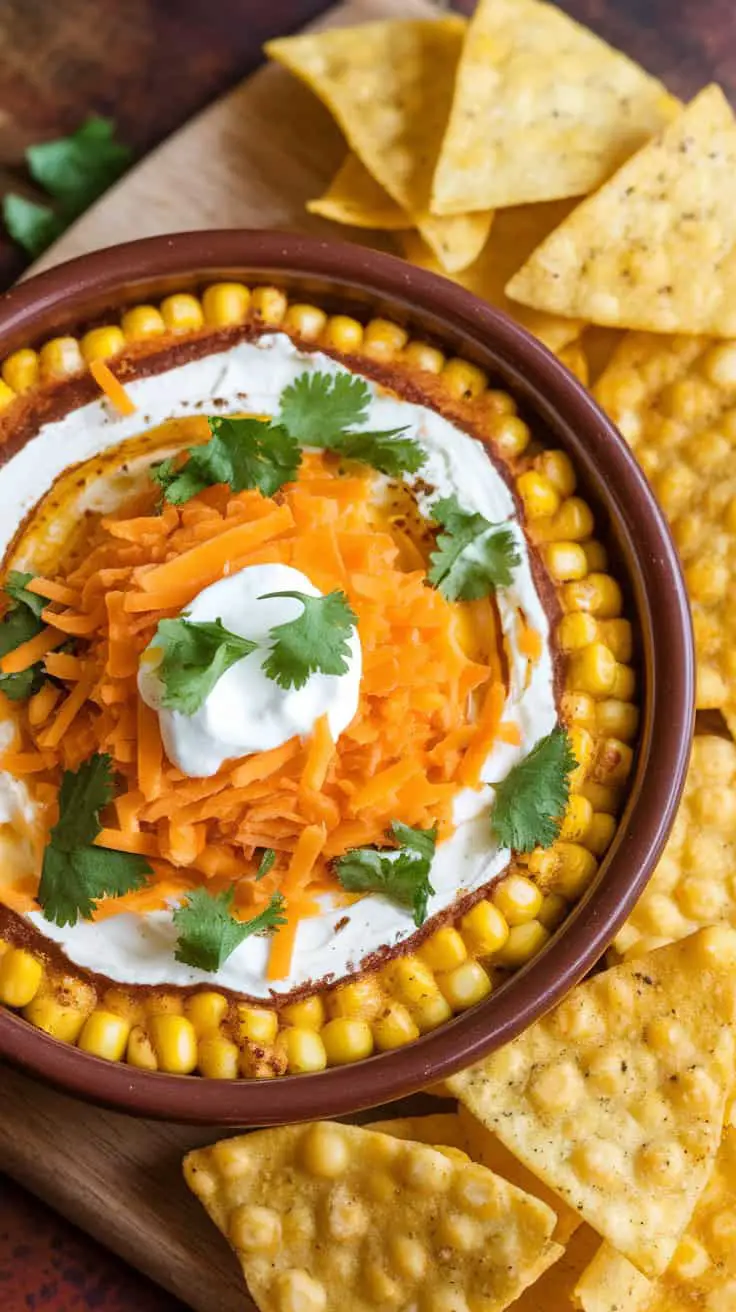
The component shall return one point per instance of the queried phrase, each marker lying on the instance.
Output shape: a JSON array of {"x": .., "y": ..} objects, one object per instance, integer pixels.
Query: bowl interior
[{"x": 361, "y": 282}]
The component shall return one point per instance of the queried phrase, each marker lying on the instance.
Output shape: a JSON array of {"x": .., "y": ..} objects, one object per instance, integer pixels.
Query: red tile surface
[{"x": 47, "y": 1265}]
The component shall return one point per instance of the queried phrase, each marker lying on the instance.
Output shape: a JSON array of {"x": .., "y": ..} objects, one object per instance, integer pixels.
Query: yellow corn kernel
[
  {"x": 305, "y": 321},
  {"x": 55, "y": 1015},
  {"x": 484, "y": 928},
  {"x": 163, "y": 1003},
  {"x": 463, "y": 380},
  {"x": 304, "y": 1050},
  {"x": 225, "y": 304},
  {"x": 125, "y": 1004},
  {"x": 578, "y": 708},
  {"x": 175, "y": 1043},
  {"x": 343, "y": 334},
  {"x": 431, "y": 1012},
  {"x": 142, "y": 322},
  {"x": 182, "y": 313},
  {"x": 205, "y": 1010},
  {"x": 464, "y": 986},
  {"x": 420, "y": 355},
  {"x": 383, "y": 339},
  {"x": 600, "y": 833},
  {"x": 613, "y": 762},
  {"x": 574, "y": 520},
  {"x": 558, "y": 468},
  {"x": 269, "y": 304},
  {"x": 599, "y": 594},
  {"x": 565, "y": 561},
  {"x": 577, "y": 818},
  {"x": 596, "y": 556},
  {"x": 552, "y": 911},
  {"x": 583, "y": 749},
  {"x": 593, "y": 670},
  {"x": 619, "y": 636},
  {"x": 20, "y": 977},
  {"x": 624, "y": 683},
  {"x": 104, "y": 1035},
  {"x": 523, "y": 943},
  {"x": 575, "y": 866},
  {"x": 539, "y": 495},
  {"x": 102, "y": 343},
  {"x": 60, "y": 358},
  {"x": 617, "y": 719},
  {"x": 361, "y": 998},
  {"x": 576, "y": 630},
  {"x": 394, "y": 1027},
  {"x": 517, "y": 898},
  {"x": 257, "y": 1024},
  {"x": 409, "y": 979},
  {"x": 346, "y": 1040},
  {"x": 139, "y": 1052},
  {"x": 444, "y": 950},
  {"x": 602, "y": 796},
  {"x": 511, "y": 435},
  {"x": 217, "y": 1057},
  {"x": 20, "y": 370},
  {"x": 308, "y": 1014},
  {"x": 7, "y": 395}
]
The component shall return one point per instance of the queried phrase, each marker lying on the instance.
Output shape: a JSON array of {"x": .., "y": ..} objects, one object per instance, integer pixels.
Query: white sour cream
[
  {"x": 251, "y": 376},
  {"x": 247, "y": 711}
]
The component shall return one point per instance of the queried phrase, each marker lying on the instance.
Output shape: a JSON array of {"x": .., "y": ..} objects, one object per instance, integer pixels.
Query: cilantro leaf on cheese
[{"x": 244, "y": 453}]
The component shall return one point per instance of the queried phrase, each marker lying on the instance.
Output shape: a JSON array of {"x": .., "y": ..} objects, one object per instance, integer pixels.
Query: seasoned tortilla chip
[
  {"x": 354, "y": 197},
  {"x": 695, "y": 881},
  {"x": 655, "y": 248},
  {"x": 542, "y": 109},
  {"x": 553, "y": 1292},
  {"x": 599, "y": 345},
  {"x": 575, "y": 359},
  {"x": 674, "y": 399},
  {"x": 438, "y": 1129},
  {"x": 616, "y": 1100},
  {"x": 389, "y": 86},
  {"x": 515, "y": 233},
  {"x": 702, "y": 1273},
  {"x": 329, "y": 1217}
]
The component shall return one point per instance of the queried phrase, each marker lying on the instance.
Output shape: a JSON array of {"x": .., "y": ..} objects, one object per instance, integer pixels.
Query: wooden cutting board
[{"x": 251, "y": 160}]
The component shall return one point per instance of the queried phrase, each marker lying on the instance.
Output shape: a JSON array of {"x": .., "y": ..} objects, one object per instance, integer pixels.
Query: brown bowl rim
[{"x": 51, "y": 298}]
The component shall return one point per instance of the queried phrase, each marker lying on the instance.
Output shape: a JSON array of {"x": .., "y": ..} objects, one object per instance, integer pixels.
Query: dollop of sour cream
[{"x": 246, "y": 711}]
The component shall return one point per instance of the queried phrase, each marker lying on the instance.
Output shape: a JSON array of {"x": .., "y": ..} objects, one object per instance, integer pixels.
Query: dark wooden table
[{"x": 151, "y": 64}]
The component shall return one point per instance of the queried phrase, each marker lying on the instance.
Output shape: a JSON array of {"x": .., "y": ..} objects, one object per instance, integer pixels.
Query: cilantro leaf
[
  {"x": 387, "y": 451},
  {"x": 16, "y": 586},
  {"x": 19, "y": 687},
  {"x": 318, "y": 408},
  {"x": 266, "y": 862},
  {"x": 473, "y": 556},
  {"x": 33, "y": 226},
  {"x": 531, "y": 800},
  {"x": 21, "y": 622},
  {"x": 196, "y": 655},
  {"x": 208, "y": 933},
  {"x": 75, "y": 874},
  {"x": 317, "y": 640},
  {"x": 241, "y": 452},
  {"x": 403, "y": 877}
]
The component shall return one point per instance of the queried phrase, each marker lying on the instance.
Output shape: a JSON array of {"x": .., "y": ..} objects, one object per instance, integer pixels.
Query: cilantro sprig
[
  {"x": 74, "y": 170},
  {"x": 76, "y": 874},
  {"x": 196, "y": 654},
  {"x": 209, "y": 933},
  {"x": 266, "y": 862},
  {"x": 322, "y": 410},
  {"x": 315, "y": 642},
  {"x": 473, "y": 557},
  {"x": 531, "y": 800},
  {"x": 402, "y": 875},
  {"x": 245, "y": 453},
  {"x": 21, "y": 622}
]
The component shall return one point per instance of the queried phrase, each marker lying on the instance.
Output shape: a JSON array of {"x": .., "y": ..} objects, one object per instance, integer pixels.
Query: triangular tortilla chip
[
  {"x": 514, "y": 235},
  {"x": 616, "y": 1099},
  {"x": 553, "y": 1292},
  {"x": 702, "y": 1273},
  {"x": 389, "y": 86},
  {"x": 354, "y": 197},
  {"x": 673, "y": 398},
  {"x": 542, "y": 109},
  {"x": 655, "y": 248},
  {"x": 342, "y": 1217}
]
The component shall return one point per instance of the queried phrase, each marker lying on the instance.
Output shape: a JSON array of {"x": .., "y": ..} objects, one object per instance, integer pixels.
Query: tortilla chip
[
  {"x": 599, "y": 345},
  {"x": 674, "y": 400},
  {"x": 655, "y": 248},
  {"x": 553, "y": 1293},
  {"x": 543, "y": 109},
  {"x": 389, "y": 86},
  {"x": 614, "y": 1103},
  {"x": 702, "y": 1273},
  {"x": 359, "y": 1220},
  {"x": 354, "y": 197},
  {"x": 438, "y": 1129},
  {"x": 574, "y": 358},
  {"x": 694, "y": 883},
  {"x": 514, "y": 235}
]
